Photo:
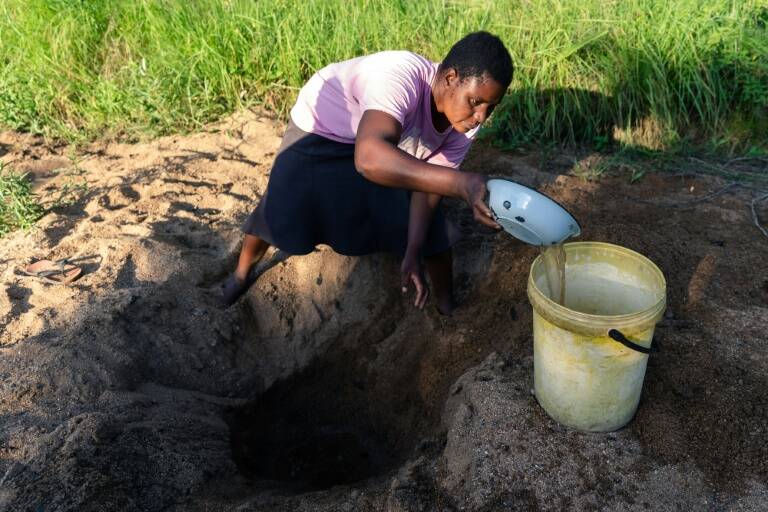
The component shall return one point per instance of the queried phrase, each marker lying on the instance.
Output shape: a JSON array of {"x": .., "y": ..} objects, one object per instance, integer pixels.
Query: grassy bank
[{"x": 653, "y": 74}]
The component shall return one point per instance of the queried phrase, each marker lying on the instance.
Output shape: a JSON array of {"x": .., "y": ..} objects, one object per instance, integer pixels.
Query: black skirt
[{"x": 316, "y": 196}]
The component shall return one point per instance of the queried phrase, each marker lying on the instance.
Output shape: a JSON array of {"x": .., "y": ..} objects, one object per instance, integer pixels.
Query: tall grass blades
[{"x": 640, "y": 72}]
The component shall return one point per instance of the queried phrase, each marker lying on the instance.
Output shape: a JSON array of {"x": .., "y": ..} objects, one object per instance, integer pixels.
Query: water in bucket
[{"x": 596, "y": 288}]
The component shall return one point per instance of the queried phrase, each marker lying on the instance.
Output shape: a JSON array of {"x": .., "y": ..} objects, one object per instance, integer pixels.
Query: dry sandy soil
[{"x": 324, "y": 389}]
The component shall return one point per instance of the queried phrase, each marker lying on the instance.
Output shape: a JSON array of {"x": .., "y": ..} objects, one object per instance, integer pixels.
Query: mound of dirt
[{"x": 324, "y": 389}]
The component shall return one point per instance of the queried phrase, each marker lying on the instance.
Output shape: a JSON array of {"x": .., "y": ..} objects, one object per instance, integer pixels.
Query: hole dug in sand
[
  {"x": 300, "y": 435},
  {"x": 328, "y": 332}
]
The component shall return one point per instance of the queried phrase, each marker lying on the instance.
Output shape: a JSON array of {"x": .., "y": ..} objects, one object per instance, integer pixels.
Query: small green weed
[
  {"x": 19, "y": 208},
  {"x": 67, "y": 194}
]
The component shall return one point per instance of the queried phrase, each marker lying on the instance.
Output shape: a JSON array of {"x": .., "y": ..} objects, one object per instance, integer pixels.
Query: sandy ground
[{"x": 324, "y": 389}]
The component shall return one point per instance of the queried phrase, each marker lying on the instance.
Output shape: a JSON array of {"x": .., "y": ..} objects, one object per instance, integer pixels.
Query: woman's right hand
[
  {"x": 472, "y": 189},
  {"x": 411, "y": 272}
]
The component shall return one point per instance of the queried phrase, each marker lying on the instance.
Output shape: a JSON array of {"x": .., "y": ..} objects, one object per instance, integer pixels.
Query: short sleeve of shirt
[{"x": 391, "y": 89}]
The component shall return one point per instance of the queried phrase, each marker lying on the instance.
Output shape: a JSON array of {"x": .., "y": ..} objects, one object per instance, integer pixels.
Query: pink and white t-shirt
[{"x": 398, "y": 83}]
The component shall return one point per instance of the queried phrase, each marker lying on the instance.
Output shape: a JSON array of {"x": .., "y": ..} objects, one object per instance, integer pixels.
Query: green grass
[
  {"x": 19, "y": 208},
  {"x": 638, "y": 73}
]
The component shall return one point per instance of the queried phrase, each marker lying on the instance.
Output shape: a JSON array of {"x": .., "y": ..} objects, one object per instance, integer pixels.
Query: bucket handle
[{"x": 617, "y": 336}]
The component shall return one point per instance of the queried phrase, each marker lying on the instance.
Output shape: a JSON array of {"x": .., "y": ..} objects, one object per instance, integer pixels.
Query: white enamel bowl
[{"x": 529, "y": 215}]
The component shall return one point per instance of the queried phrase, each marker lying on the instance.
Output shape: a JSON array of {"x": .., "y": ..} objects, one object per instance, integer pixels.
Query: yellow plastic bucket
[{"x": 589, "y": 356}]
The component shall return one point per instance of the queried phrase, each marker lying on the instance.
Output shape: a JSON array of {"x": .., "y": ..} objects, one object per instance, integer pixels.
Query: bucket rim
[{"x": 602, "y": 320}]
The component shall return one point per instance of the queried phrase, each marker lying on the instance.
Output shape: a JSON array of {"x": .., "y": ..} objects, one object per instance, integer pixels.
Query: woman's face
[{"x": 467, "y": 103}]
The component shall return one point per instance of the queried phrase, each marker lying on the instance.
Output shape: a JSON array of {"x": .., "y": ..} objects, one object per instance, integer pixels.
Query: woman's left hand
[{"x": 411, "y": 272}]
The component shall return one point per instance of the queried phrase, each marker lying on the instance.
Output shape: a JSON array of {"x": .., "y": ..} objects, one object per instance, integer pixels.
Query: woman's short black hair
[{"x": 479, "y": 53}]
